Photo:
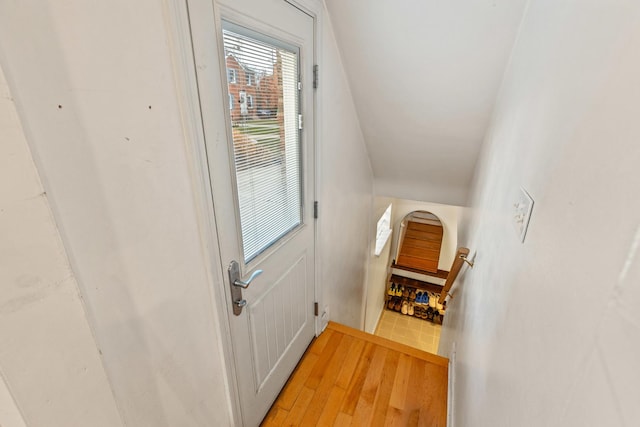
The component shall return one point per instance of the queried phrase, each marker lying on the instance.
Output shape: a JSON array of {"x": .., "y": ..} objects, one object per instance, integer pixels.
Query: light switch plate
[{"x": 522, "y": 213}]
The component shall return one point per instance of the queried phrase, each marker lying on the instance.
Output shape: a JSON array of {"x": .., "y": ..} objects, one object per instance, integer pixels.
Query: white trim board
[{"x": 450, "y": 388}]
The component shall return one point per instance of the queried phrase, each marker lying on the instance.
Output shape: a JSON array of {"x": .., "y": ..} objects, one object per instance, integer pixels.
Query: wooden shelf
[
  {"x": 441, "y": 274},
  {"x": 413, "y": 283}
]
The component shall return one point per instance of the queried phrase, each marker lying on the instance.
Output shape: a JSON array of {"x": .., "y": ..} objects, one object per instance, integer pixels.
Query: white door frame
[{"x": 179, "y": 36}]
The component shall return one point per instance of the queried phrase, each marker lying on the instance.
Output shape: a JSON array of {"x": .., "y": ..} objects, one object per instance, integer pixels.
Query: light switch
[{"x": 522, "y": 213}]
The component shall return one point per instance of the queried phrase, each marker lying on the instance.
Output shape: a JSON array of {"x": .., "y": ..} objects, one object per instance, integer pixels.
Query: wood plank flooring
[{"x": 350, "y": 378}]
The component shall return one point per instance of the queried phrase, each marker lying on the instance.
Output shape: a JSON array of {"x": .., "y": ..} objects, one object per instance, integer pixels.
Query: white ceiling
[{"x": 424, "y": 77}]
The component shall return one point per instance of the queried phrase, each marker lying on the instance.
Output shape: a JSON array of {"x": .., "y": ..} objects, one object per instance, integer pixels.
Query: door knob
[
  {"x": 237, "y": 285},
  {"x": 245, "y": 284}
]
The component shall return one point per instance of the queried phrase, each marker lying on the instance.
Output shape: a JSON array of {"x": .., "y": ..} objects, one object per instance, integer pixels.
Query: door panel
[
  {"x": 262, "y": 178},
  {"x": 277, "y": 317}
]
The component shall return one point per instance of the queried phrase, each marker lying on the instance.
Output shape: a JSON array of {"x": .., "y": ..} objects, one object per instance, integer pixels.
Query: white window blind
[{"x": 266, "y": 138}]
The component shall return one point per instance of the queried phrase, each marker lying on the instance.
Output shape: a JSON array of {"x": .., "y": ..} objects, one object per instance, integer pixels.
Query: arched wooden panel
[{"x": 421, "y": 241}]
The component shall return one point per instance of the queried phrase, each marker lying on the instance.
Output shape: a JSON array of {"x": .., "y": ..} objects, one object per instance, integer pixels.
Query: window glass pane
[{"x": 266, "y": 139}]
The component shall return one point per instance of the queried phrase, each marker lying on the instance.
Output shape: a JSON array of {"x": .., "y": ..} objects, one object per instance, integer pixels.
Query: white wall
[
  {"x": 548, "y": 332},
  {"x": 346, "y": 192},
  {"x": 377, "y": 271},
  {"x": 95, "y": 90},
  {"x": 50, "y": 368},
  {"x": 425, "y": 75}
]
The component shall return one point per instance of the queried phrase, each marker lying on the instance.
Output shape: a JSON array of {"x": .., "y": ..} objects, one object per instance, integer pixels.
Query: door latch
[{"x": 237, "y": 285}]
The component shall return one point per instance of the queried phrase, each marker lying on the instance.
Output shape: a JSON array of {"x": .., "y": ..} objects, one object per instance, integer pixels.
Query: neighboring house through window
[
  {"x": 249, "y": 79},
  {"x": 243, "y": 103},
  {"x": 250, "y": 101},
  {"x": 230, "y": 102},
  {"x": 232, "y": 75}
]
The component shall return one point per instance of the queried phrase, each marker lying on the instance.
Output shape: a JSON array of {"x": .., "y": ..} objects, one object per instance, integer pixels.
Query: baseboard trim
[{"x": 451, "y": 385}]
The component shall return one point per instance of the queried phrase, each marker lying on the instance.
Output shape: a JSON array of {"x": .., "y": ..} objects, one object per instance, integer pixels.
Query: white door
[{"x": 260, "y": 156}]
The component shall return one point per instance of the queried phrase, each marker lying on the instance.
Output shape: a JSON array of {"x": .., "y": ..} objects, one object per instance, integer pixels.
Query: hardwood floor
[{"x": 350, "y": 378}]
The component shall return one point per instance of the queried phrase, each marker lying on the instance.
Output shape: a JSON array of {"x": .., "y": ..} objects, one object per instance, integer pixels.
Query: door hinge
[
  {"x": 299, "y": 85},
  {"x": 316, "y": 310},
  {"x": 315, "y": 76},
  {"x": 299, "y": 121},
  {"x": 315, "y": 209}
]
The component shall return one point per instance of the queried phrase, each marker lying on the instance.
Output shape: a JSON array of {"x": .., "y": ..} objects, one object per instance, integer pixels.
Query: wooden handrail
[{"x": 458, "y": 262}]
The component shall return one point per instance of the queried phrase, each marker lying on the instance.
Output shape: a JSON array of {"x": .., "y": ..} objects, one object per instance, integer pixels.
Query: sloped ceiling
[{"x": 424, "y": 76}]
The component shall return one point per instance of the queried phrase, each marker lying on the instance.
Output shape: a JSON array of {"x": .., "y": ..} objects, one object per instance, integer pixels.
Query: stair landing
[{"x": 351, "y": 378}]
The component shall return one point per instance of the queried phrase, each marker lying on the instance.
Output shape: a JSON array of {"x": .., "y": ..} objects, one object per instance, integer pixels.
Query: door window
[{"x": 266, "y": 137}]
